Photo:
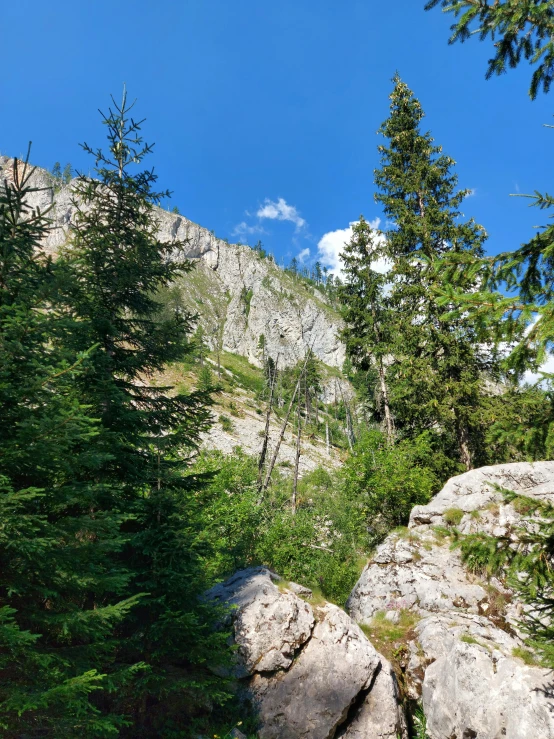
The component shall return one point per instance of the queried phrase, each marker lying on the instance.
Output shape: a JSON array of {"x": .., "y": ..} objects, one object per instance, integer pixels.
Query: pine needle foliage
[
  {"x": 115, "y": 266},
  {"x": 102, "y": 631},
  {"x": 366, "y": 312},
  {"x": 520, "y": 30},
  {"x": 62, "y": 590},
  {"x": 436, "y": 377},
  {"x": 516, "y": 296}
]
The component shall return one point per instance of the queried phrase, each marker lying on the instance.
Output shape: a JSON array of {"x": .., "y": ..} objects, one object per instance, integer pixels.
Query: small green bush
[
  {"x": 453, "y": 516},
  {"x": 526, "y": 655},
  {"x": 226, "y": 423}
]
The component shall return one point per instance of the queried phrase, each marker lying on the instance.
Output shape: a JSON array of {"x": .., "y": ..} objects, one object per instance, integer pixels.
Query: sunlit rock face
[
  {"x": 238, "y": 295},
  {"x": 463, "y": 663},
  {"x": 309, "y": 670}
]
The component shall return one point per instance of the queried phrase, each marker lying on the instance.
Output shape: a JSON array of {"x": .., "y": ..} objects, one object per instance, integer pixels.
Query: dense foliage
[
  {"x": 113, "y": 523},
  {"x": 102, "y": 631}
]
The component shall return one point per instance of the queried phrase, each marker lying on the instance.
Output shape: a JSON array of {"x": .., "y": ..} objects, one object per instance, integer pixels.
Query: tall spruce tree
[
  {"x": 365, "y": 309},
  {"x": 115, "y": 265},
  {"x": 64, "y": 589},
  {"x": 438, "y": 369}
]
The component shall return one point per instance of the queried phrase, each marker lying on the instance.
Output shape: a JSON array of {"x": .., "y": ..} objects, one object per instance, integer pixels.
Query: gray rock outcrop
[
  {"x": 309, "y": 670},
  {"x": 240, "y": 295},
  {"x": 464, "y": 662}
]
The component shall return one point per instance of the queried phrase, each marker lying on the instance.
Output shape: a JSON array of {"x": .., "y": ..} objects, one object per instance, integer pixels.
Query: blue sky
[{"x": 265, "y": 114}]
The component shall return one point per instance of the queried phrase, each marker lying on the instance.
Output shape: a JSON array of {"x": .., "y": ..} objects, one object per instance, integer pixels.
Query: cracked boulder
[
  {"x": 269, "y": 625},
  {"x": 309, "y": 670},
  {"x": 475, "y": 687},
  {"x": 467, "y": 663},
  {"x": 377, "y": 716}
]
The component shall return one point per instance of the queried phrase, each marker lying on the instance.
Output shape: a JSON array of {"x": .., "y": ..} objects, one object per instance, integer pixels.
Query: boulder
[
  {"x": 476, "y": 490},
  {"x": 417, "y": 574},
  {"x": 269, "y": 625},
  {"x": 378, "y": 716},
  {"x": 464, "y": 661},
  {"x": 474, "y": 687},
  {"x": 309, "y": 671}
]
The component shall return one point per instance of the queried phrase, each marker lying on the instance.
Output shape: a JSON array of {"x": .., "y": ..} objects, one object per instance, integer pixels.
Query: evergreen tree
[
  {"x": 57, "y": 171},
  {"x": 520, "y": 29},
  {"x": 438, "y": 369},
  {"x": 318, "y": 274},
  {"x": 115, "y": 266},
  {"x": 63, "y": 588},
  {"x": 515, "y": 299},
  {"x": 66, "y": 174},
  {"x": 364, "y": 307}
]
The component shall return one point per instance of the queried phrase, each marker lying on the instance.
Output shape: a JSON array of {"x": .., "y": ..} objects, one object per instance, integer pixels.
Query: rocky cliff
[
  {"x": 464, "y": 657},
  {"x": 238, "y": 294},
  {"x": 312, "y": 670}
]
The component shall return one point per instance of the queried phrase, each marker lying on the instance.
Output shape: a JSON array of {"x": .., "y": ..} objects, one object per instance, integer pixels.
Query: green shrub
[
  {"x": 226, "y": 423},
  {"x": 453, "y": 516},
  {"x": 526, "y": 655},
  {"x": 387, "y": 481}
]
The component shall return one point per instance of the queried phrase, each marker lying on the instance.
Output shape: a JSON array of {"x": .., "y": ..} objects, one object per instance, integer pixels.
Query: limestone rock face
[
  {"x": 404, "y": 574},
  {"x": 463, "y": 662},
  {"x": 269, "y": 626},
  {"x": 309, "y": 671},
  {"x": 474, "y": 491},
  {"x": 475, "y": 688},
  {"x": 313, "y": 697},
  {"x": 242, "y": 296},
  {"x": 378, "y": 716}
]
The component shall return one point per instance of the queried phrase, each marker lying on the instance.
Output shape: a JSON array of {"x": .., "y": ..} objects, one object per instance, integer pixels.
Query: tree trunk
[
  {"x": 279, "y": 440},
  {"x": 263, "y": 453},
  {"x": 296, "y": 461},
  {"x": 327, "y": 442},
  {"x": 385, "y": 394},
  {"x": 283, "y": 428},
  {"x": 463, "y": 445},
  {"x": 349, "y": 427}
]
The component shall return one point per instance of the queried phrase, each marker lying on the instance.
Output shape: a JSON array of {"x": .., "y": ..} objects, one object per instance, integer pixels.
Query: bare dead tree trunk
[
  {"x": 385, "y": 394},
  {"x": 327, "y": 441},
  {"x": 279, "y": 441},
  {"x": 263, "y": 453},
  {"x": 349, "y": 429},
  {"x": 282, "y": 432},
  {"x": 296, "y": 461}
]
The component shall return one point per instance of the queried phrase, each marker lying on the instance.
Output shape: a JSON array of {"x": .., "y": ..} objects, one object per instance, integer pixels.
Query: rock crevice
[
  {"x": 309, "y": 671},
  {"x": 464, "y": 663}
]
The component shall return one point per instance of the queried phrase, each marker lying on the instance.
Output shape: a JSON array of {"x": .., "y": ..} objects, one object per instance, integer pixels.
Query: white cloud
[
  {"x": 332, "y": 243},
  {"x": 472, "y": 192},
  {"x": 280, "y": 210},
  {"x": 303, "y": 255},
  {"x": 243, "y": 229}
]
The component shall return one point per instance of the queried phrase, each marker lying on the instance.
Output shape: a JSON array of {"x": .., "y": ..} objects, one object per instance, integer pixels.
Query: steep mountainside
[
  {"x": 239, "y": 297},
  {"x": 238, "y": 294}
]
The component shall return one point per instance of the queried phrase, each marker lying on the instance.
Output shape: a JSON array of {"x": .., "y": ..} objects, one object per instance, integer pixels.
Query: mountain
[
  {"x": 234, "y": 290},
  {"x": 239, "y": 296}
]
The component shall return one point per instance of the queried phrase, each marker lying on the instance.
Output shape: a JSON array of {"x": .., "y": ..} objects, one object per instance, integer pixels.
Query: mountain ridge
[{"x": 236, "y": 292}]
